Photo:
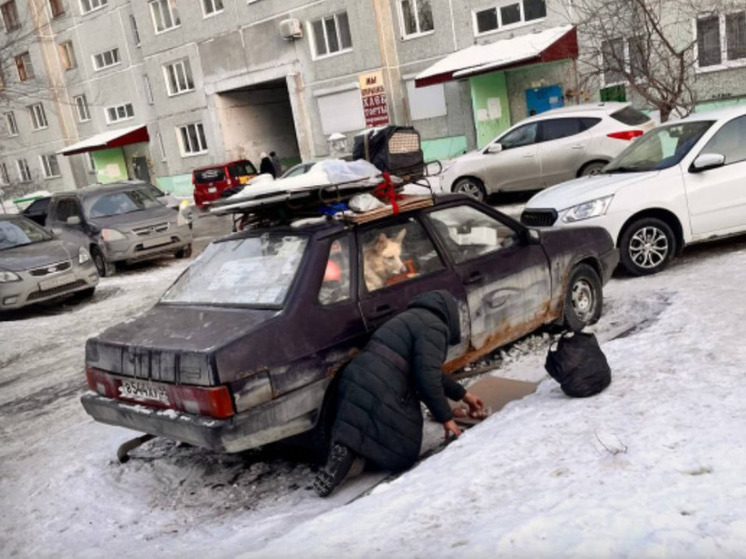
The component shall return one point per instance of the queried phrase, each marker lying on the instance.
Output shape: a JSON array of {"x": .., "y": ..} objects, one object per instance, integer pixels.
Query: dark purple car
[{"x": 242, "y": 348}]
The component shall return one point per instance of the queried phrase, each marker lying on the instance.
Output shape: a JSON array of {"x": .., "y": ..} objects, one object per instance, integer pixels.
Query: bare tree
[{"x": 648, "y": 45}]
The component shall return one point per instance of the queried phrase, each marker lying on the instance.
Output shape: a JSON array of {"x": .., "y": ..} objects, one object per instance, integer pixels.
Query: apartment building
[{"x": 100, "y": 90}]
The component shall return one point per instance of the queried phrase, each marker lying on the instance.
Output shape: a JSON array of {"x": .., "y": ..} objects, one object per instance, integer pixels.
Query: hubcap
[
  {"x": 648, "y": 247},
  {"x": 471, "y": 189},
  {"x": 583, "y": 300}
]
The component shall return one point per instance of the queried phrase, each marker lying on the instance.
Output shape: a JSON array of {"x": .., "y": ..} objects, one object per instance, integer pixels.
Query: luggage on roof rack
[{"x": 396, "y": 149}]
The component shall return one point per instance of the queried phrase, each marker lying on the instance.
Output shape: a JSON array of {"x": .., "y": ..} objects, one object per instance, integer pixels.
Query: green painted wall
[
  {"x": 489, "y": 97},
  {"x": 712, "y": 105},
  {"x": 178, "y": 185},
  {"x": 110, "y": 165},
  {"x": 444, "y": 148}
]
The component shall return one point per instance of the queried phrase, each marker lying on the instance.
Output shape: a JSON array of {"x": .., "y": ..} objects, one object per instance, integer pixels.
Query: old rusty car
[{"x": 242, "y": 349}]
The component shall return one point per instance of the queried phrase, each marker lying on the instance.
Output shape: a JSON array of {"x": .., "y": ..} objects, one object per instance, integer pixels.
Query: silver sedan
[{"x": 35, "y": 266}]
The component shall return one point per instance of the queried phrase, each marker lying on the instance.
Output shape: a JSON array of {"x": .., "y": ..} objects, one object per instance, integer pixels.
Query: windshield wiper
[{"x": 623, "y": 170}]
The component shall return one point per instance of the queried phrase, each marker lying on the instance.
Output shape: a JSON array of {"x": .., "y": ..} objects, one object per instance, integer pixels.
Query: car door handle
[
  {"x": 578, "y": 146},
  {"x": 381, "y": 311},
  {"x": 528, "y": 155},
  {"x": 474, "y": 277}
]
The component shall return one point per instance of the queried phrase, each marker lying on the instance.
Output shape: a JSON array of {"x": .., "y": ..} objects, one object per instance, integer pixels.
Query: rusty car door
[{"x": 505, "y": 276}]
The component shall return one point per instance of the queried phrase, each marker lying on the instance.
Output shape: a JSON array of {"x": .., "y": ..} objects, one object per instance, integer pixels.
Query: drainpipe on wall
[{"x": 387, "y": 42}]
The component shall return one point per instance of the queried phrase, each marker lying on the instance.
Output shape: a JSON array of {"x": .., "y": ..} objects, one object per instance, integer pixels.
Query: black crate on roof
[{"x": 396, "y": 149}]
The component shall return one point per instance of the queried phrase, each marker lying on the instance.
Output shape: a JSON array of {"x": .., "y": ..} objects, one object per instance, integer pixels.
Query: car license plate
[
  {"x": 212, "y": 190},
  {"x": 56, "y": 282},
  {"x": 150, "y": 243},
  {"x": 143, "y": 392}
]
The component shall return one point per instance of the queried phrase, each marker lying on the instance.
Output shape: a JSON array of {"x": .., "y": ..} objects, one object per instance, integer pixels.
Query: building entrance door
[{"x": 141, "y": 169}]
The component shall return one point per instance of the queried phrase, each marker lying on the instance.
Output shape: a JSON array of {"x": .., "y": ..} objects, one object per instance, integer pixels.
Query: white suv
[
  {"x": 682, "y": 183},
  {"x": 547, "y": 149}
]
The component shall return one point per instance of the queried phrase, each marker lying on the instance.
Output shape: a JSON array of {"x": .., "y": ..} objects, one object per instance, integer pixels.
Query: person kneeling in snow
[{"x": 378, "y": 411}]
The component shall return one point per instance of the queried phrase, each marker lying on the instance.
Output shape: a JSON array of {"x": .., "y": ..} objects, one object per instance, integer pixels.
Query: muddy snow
[{"x": 651, "y": 467}]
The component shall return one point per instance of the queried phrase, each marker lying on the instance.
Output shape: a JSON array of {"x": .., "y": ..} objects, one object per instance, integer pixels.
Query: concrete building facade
[{"x": 154, "y": 89}]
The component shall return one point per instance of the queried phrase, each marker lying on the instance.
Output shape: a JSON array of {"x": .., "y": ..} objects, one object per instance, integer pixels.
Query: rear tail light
[
  {"x": 626, "y": 135},
  {"x": 215, "y": 401}
]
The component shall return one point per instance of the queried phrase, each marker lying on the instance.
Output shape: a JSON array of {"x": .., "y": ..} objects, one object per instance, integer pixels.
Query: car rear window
[
  {"x": 252, "y": 271},
  {"x": 630, "y": 116},
  {"x": 210, "y": 175},
  {"x": 38, "y": 207}
]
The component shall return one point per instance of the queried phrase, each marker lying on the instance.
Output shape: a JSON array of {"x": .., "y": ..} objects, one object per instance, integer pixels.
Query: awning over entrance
[
  {"x": 112, "y": 139},
  {"x": 547, "y": 46}
]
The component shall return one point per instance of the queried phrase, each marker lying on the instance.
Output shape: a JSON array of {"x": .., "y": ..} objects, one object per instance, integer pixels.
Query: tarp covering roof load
[
  {"x": 549, "y": 45},
  {"x": 111, "y": 139}
]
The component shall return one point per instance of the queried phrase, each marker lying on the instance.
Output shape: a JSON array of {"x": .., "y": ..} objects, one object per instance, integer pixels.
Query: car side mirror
[
  {"x": 707, "y": 161},
  {"x": 73, "y": 220},
  {"x": 494, "y": 148}
]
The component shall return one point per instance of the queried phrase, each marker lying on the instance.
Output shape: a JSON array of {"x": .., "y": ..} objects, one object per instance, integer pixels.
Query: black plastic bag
[{"x": 579, "y": 365}]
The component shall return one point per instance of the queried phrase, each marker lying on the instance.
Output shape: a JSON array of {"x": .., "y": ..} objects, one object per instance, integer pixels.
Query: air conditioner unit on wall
[{"x": 291, "y": 29}]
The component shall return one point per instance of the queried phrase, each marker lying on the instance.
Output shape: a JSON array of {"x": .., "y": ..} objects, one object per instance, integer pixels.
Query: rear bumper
[{"x": 283, "y": 417}]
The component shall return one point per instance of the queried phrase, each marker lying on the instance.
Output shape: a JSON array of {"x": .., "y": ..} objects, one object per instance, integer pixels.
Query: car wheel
[
  {"x": 584, "y": 298},
  {"x": 104, "y": 268},
  {"x": 592, "y": 168},
  {"x": 472, "y": 187},
  {"x": 185, "y": 252},
  {"x": 646, "y": 246}
]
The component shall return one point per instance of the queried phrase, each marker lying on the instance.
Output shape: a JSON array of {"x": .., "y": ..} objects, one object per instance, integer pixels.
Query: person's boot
[{"x": 334, "y": 472}]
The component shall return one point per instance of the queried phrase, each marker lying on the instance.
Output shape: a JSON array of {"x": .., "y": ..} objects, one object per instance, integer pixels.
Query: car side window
[
  {"x": 396, "y": 253},
  {"x": 468, "y": 233},
  {"x": 522, "y": 136},
  {"x": 67, "y": 207},
  {"x": 335, "y": 286},
  {"x": 729, "y": 141},
  {"x": 556, "y": 128}
]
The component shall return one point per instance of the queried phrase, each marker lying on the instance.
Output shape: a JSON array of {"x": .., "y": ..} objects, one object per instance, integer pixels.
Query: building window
[
  {"x": 23, "y": 171},
  {"x": 178, "y": 77},
  {"x": 24, "y": 67},
  {"x": 10, "y": 15},
  {"x": 135, "y": 31},
  {"x": 508, "y": 15},
  {"x": 612, "y": 52},
  {"x": 4, "y": 177},
  {"x": 67, "y": 55},
  {"x": 211, "y": 7},
  {"x": 81, "y": 104},
  {"x": 721, "y": 39},
  {"x": 56, "y": 7},
  {"x": 624, "y": 57},
  {"x": 50, "y": 166},
  {"x": 192, "y": 139},
  {"x": 38, "y": 116},
  {"x": 148, "y": 89},
  {"x": 416, "y": 17},
  {"x": 332, "y": 34},
  {"x": 10, "y": 118},
  {"x": 165, "y": 15},
  {"x": 106, "y": 59},
  {"x": 91, "y": 5},
  {"x": 119, "y": 113}
]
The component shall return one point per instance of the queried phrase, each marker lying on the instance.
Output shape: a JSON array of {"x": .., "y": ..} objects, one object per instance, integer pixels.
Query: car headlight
[
  {"x": 7, "y": 277},
  {"x": 83, "y": 256},
  {"x": 111, "y": 235},
  {"x": 587, "y": 210}
]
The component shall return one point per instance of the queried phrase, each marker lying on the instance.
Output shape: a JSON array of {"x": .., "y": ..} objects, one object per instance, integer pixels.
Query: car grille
[
  {"x": 151, "y": 230},
  {"x": 538, "y": 218},
  {"x": 51, "y": 269},
  {"x": 56, "y": 291}
]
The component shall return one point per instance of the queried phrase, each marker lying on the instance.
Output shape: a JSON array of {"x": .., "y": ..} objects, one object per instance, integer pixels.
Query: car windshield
[
  {"x": 253, "y": 271},
  {"x": 20, "y": 231},
  {"x": 118, "y": 203},
  {"x": 660, "y": 148}
]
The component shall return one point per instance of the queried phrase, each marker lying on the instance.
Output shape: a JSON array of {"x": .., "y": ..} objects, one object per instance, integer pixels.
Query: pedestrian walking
[
  {"x": 379, "y": 418},
  {"x": 265, "y": 165},
  {"x": 276, "y": 162}
]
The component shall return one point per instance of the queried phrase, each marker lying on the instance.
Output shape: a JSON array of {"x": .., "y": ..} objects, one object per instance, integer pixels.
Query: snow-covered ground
[{"x": 651, "y": 467}]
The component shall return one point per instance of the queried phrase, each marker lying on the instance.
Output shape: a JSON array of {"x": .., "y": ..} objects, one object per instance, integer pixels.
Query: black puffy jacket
[{"x": 378, "y": 413}]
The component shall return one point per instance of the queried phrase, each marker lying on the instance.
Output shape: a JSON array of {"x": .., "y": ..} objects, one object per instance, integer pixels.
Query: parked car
[
  {"x": 240, "y": 351},
  {"x": 547, "y": 149},
  {"x": 36, "y": 267},
  {"x": 210, "y": 181},
  {"x": 37, "y": 210},
  {"x": 120, "y": 222},
  {"x": 681, "y": 183}
]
